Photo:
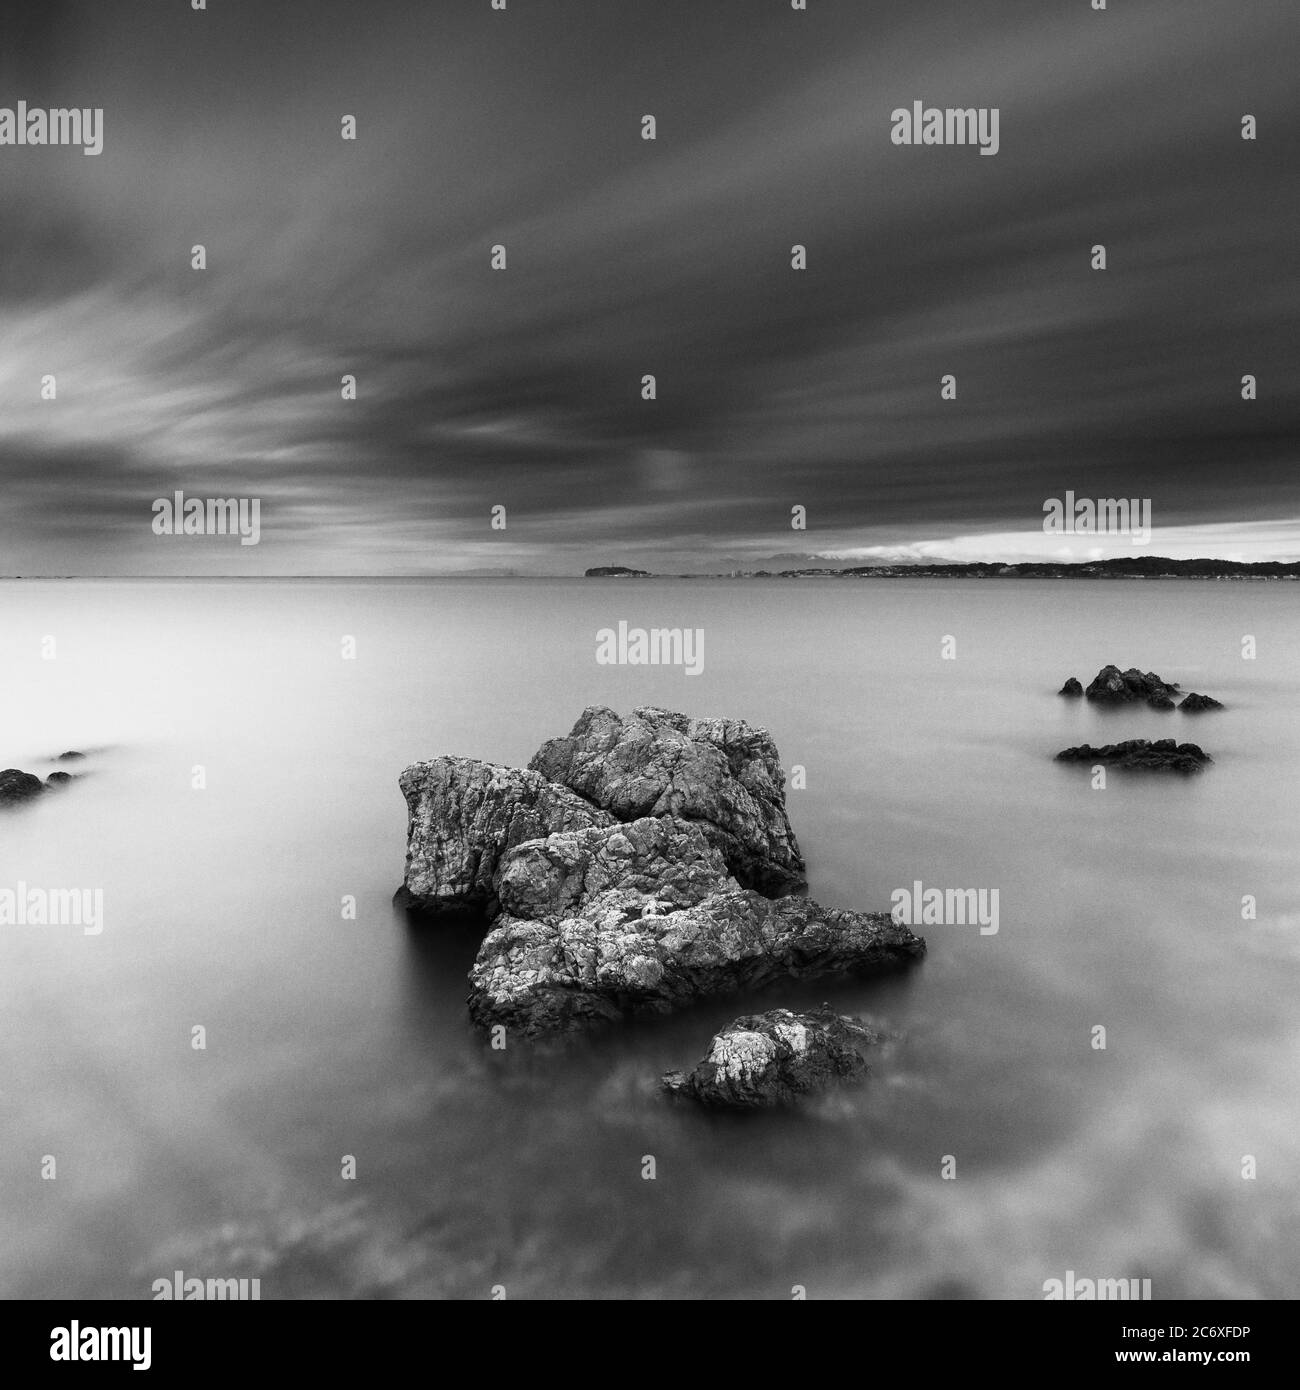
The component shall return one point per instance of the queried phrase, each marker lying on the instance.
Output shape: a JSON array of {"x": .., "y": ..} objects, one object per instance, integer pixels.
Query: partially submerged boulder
[
  {"x": 773, "y": 1058},
  {"x": 1113, "y": 686},
  {"x": 17, "y": 786},
  {"x": 1140, "y": 754},
  {"x": 644, "y": 918},
  {"x": 1071, "y": 688},
  {"x": 1196, "y": 704},
  {"x": 636, "y": 866},
  {"x": 723, "y": 774},
  {"x": 463, "y": 815}
]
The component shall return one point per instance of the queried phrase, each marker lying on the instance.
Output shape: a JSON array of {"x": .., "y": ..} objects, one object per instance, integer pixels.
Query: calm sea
[{"x": 328, "y": 1036}]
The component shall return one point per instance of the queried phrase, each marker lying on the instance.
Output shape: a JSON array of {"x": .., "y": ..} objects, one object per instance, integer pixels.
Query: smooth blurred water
[{"x": 328, "y": 1037}]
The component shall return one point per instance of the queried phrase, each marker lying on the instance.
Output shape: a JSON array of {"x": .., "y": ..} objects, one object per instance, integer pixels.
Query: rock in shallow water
[
  {"x": 605, "y": 911},
  {"x": 463, "y": 815},
  {"x": 17, "y": 786},
  {"x": 723, "y": 774},
  {"x": 773, "y": 1058},
  {"x": 1071, "y": 687},
  {"x": 644, "y": 918},
  {"x": 1139, "y": 754},
  {"x": 1195, "y": 704},
  {"x": 1113, "y": 686}
]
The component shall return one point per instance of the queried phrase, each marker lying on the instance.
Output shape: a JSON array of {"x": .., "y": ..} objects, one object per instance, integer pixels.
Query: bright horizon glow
[{"x": 1251, "y": 542}]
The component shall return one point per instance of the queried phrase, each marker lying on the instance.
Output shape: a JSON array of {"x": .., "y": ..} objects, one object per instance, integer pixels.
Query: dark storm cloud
[{"x": 628, "y": 257}]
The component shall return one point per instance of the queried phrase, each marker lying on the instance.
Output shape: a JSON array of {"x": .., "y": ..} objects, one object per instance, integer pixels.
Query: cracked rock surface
[
  {"x": 580, "y": 942},
  {"x": 724, "y": 774},
  {"x": 463, "y": 815}
]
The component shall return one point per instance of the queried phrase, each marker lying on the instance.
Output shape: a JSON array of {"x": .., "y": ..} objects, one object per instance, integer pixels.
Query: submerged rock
[
  {"x": 70, "y": 757},
  {"x": 1141, "y": 754},
  {"x": 1195, "y": 704},
  {"x": 773, "y": 1058},
  {"x": 1113, "y": 686},
  {"x": 1071, "y": 687},
  {"x": 644, "y": 918},
  {"x": 463, "y": 815},
  {"x": 17, "y": 786},
  {"x": 723, "y": 774},
  {"x": 57, "y": 779}
]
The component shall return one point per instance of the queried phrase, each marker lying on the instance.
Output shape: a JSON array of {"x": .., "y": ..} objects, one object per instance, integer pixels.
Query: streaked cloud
[{"x": 523, "y": 388}]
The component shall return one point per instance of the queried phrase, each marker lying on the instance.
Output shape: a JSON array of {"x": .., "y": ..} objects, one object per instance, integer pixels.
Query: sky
[{"x": 521, "y": 388}]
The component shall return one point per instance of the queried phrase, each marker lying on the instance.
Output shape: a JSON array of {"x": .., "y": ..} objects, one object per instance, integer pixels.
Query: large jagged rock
[
  {"x": 773, "y": 1058},
  {"x": 17, "y": 786},
  {"x": 463, "y": 815},
  {"x": 644, "y": 918},
  {"x": 1140, "y": 754},
  {"x": 723, "y": 774},
  {"x": 1112, "y": 686},
  {"x": 606, "y": 911}
]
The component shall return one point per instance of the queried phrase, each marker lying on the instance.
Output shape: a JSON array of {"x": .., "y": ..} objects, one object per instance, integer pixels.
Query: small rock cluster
[
  {"x": 1111, "y": 686},
  {"x": 18, "y": 787}
]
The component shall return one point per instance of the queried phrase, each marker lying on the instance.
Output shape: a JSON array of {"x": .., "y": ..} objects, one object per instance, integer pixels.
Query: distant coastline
[{"x": 1137, "y": 567}]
